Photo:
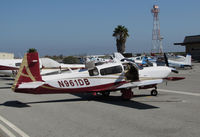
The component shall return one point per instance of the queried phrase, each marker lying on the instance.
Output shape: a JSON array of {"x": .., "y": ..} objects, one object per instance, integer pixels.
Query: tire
[
  {"x": 154, "y": 92},
  {"x": 106, "y": 93}
]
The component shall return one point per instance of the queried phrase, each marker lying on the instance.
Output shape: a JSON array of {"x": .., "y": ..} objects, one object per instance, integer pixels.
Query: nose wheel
[{"x": 154, "y": 92}]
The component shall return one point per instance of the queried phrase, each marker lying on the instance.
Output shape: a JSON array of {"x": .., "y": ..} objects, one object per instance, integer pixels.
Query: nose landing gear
[{"x": 154, "y": 92}]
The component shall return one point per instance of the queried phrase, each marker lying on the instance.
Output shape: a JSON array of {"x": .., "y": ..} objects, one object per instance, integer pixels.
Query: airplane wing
[
  {"x": 141, "y": 83},
  {"x": 150, "y": 82},
  {"x": 8, "y": 70}
]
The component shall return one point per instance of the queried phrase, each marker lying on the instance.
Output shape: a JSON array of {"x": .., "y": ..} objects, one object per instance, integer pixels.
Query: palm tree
[
  {"x": 32, "y": 50},
  {"x": 121, "y": 34}
]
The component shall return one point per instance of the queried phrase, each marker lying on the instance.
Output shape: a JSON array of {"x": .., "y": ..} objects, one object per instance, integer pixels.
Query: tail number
[{"x": 72, "y": 83}]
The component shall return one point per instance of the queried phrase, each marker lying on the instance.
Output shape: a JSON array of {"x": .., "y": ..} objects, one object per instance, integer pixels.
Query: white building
[{"x": 4, "y": 55}]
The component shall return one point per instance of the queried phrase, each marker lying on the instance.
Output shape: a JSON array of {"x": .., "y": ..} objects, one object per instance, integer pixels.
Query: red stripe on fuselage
[
  {"x": 8, "y": 68},
  {"x": 47, "y": 89},
  {"x": 174, "y": 78}
]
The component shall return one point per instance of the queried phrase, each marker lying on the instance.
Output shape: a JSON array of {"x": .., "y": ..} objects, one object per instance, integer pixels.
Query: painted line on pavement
[
  {"x": 16, "y": 129},
  {"x": 179, "y": 92},
  {"x": 5, "y": 130}
]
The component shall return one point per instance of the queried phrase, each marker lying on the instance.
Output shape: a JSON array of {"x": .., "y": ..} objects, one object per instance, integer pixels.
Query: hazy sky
[{"x": 73, "y": 27}]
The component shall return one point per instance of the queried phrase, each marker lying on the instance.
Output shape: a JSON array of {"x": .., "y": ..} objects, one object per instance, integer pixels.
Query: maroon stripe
[
  {"x": 74, "y": 68},
  {"x": 8, "y": 68},
  {"x": 43, "y": 90},
  {"x": 174, "y": 78}
]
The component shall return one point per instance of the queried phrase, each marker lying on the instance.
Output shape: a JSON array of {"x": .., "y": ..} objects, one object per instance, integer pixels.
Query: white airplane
[
  {"x": 9, "y": 66},
  {"x": 177, "y": 62},
  {"x": 102, "y": 79},
  {"x": 48, "y": 66},
  {"x": 181, "y": 61},
  {"x": 98, "y": 59},
  {"x": 142, "y": 60}
]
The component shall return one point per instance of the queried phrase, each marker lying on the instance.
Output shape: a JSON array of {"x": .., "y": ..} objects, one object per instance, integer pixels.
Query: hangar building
[
  {"x": 192, "y": 46},
  {"x": 4, "y": 55}
]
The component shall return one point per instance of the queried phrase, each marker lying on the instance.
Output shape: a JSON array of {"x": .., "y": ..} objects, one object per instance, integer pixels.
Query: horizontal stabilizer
[{"x": 31, "y": 84}]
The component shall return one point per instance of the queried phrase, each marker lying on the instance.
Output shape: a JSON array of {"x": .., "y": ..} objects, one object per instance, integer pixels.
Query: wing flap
[{"x": 31, "y": 84}]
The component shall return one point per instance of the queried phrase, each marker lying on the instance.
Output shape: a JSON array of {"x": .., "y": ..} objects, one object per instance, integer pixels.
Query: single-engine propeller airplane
[
  {"x": 181, "y": 61},
  {"x": 103, "y": 79}
]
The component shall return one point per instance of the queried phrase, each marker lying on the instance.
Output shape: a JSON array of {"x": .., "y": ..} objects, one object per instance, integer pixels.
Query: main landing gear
[
  {"x": 127, "y": 94},
  {"x": 105, "y": 93}
]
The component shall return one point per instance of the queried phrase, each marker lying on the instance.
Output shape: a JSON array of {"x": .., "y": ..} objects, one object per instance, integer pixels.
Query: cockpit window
[
  {"x": 138, "y": 58},
  {"x": 111, "y": 70},
  {"x": 94, "y": 72}
]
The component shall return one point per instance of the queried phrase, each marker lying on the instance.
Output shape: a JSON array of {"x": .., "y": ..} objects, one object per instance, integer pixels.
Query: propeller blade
[
  {"x": 166, "y": 60},
  {"x": 175, "y": 71}
]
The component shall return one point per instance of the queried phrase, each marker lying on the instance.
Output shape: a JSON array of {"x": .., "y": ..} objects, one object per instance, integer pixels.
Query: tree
[
  {"x": 71, "y": 60},
  {"x": 31, "y": 50},
  {"x": 121, "y": 34}
]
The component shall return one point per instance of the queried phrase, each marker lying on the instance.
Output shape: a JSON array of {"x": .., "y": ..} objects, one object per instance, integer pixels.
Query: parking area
[{"x": 174, "y": 112}]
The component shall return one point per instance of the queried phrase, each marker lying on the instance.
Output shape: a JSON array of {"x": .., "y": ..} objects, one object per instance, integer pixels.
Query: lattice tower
[{"x": 156, "y": 38}]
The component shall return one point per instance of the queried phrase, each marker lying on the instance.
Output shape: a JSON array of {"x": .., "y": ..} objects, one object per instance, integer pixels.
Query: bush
[
  {"x": 71, "y": 60},
  {"x": 31, "y": 50}
]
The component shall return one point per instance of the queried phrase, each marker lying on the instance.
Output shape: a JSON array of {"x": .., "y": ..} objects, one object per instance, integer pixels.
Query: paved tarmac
[{"x": 173, "y": 113}]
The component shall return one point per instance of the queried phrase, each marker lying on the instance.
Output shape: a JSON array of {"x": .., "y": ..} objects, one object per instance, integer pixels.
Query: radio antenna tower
[{"x": 156, "y": 38}]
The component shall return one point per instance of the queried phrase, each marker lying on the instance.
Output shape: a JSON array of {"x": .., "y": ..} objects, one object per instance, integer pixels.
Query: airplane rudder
[
  {"x": 29, "y": 70},
  {"x": 188, "y": 59},
  {"x": 34, "y": 65}
]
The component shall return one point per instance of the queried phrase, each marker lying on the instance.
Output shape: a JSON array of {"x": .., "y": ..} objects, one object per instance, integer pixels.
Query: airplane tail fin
[
  {"x": 144, "y": 61},
  {"x": 118, "y": 56},
  {"x": 188, "y": 60},
  {"x": 29, "y": 70}
]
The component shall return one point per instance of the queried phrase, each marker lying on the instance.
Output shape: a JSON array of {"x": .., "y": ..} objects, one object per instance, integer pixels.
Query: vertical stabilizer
[
  {"x": 118, "y": 56},
  {"x": 188, "y": 60},
  {"x": 29, "y": 70}
]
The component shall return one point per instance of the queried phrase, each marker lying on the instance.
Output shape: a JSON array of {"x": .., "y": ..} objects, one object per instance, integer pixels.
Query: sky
[{"x": 79, "y": 27}]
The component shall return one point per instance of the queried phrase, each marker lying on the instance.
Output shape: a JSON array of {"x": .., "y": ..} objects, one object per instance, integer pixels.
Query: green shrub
[
  {"x": 71, "y": 60},
  {"x": 31, "y": 50}
]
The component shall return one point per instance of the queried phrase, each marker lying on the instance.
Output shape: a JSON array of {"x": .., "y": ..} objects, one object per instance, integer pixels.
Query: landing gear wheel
[
  {"x": 105, "y": 93},
  {"x": 154, "y": 92},
  {"x": 127, "y": 94}
]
